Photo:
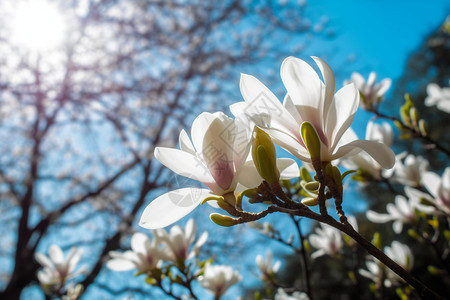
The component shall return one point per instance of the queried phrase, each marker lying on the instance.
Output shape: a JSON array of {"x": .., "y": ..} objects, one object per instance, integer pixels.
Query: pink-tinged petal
[
  {"x": 431, "y": 181},
  {"x": 302, "y": 82},
  {"x": 292, "y": 109},
  {"x": 172, "y": 206},
  {"x": 261, "y": 101},
  {"x": 185, "y": 143},
  {"x": 341, "y": 113},
  {"x": 183, "y": 164},
  {"x": 288, "y": 168},
  {"x": 378, "y": 151},
  {"x": 328, "y": 77}
]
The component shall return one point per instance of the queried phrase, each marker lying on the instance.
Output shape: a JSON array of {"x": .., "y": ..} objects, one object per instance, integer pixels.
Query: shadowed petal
[{"x": 378, "y": 151}]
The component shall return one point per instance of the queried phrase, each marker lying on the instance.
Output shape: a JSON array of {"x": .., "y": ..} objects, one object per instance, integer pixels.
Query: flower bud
[
  {"x": 312, "y": 186},
  {"x": 422, "y": 127},
  {"x": 304, "y": 174},
  {"x": 222, "y": 220},
  {"x": 265, "y": 156},
  {"x": 310, "y": 201},
  {"x": 311, "y": 139}
]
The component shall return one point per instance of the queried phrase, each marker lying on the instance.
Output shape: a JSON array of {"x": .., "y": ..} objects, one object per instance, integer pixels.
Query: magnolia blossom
[
  {"x": 327, "y": 240},
  {"x": 439, "y": 188},
  {"x": 218, "y": 279},
  {"x": 58, "y": 270},
  {"x": 409, "y": 169},
  {"x": 399, "y": 253},
  {"x": 438, "y": 96},
  {"x": 265, "y": 266},
  {"x": 371, "y": 94},
  {"x": 178, "y": 241},
  {"x": 144, "y": 256},
  {"x": 402, "y": 212},
  {"x": 362, "y": 161},
  {"x": 308, "y": 99},
  {"x": 216, "y": 157},
  {"x": 282, "y": 295}
]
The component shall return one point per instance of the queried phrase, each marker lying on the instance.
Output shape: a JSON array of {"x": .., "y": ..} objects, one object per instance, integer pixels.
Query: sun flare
[{"x": 37, "y": 25}]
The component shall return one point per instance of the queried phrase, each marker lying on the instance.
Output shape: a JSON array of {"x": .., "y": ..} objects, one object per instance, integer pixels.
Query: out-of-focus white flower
[
  {"x": 216, "y": 156},
  {"x": 409, "y": 169},
  {"x": 58, "y": 270},
  {"x": 327, "y": 240},
  {"x": 144, "y": 256},
  {"x": 218, "y": 278},
  {"x": 399, "y": 253},
  {"x": 371, "y": 94},
  {"x": 438, "y": 96},
  {"x": 402, "y": 212},
  {"x": 362, "y": 161},
  {"x": 178, "y": 241},
  {"x": 265, "y": 266},
  {"x": 439, "y": 188},
  {"x": 282, "y": 295},
  {"x": 308, "y": 100}
]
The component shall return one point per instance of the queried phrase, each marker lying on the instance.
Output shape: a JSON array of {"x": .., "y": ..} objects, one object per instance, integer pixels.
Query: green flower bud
[
  {"x": 376, "y": 240},
  {"x": 222, "y": 220},
  {"x": 435, "y": 271},
  {"x": 310, "y": 201},
  {"x": 304, "y": 174},
  {"x": 311, "y": 139},
  {"x": 311, "y": 186},
  {"x": 422, "y": 127},
  {"x": 265, "y": 156},
  {"x": 414, "y": 115},
  {"x": 412, "y": 233}
]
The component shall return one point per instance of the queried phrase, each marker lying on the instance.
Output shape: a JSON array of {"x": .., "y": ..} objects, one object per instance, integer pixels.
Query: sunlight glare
[{"x": 37, "y": 25}]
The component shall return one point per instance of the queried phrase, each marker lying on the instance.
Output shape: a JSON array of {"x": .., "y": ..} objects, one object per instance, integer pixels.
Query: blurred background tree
[{"x": 84, "y": 101}]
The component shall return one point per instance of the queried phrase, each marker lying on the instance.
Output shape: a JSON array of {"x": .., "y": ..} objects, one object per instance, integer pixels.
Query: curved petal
[
  {"x": 199, "y": 128},
  {"x": 183, "y": 164},
  {"x": 138, "y": 241},
  {"x": 56, "y": 255},
  {"x": 302, "y": 82},
  {"x": 261, "y": 101},
  {"x": 185, "y": 143},
  {"x": 120, "y": 264},
  {"x": 288, "y": 143},
  {"x": 172, "y": 206},
  {"x": 377, "y": 218},
  {"x": 431, "y": 181},
  {"x": 341, "y": 113},
  {"x": 44, "y": 260},
  {"x": 248, "y": 176},
  {"x": 288, "y": 168},
  {"x": 378, "y": 151},
  {"x": 330, "y": 85}
]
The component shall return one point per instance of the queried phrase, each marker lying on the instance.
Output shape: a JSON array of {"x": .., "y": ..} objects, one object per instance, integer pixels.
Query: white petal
[
  {"x": 185, "y": 143},
  {"x": 288, "y": 143},
  {"x": 341, "y": 113},
  {"x": 199, "y": 128},
  {"x": 432, "y": 182},
  {"x": 397, "y": 226},
  {"x": 328, "y": 77},
  {"x": 120, "y": 264},
  {"x": 378, "y": 151},
  {"x": 56, "y": 255},
  {"x": 138, "y": 241},
  {"x": 172, "y": 206},
  {"x": 302, "y": 82},
  {"x": 248, "y": 176},
  {"x": 183, "y": 164},
  {"x": 385, "y": 84},
  {"x": 44, "y": 261},
  {"x": 444, "y": 105},
  {"x": 377, "y": 218},
  {"x": 288, "y": 168}
]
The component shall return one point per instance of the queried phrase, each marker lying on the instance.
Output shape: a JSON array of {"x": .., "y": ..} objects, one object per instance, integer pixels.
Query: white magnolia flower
[
  {"x": 399, "y": 253},
  {"x": 58, "y": 270},
  {"x": 327, "y": 240},
  {"x": 144, "y": 256},
  {"x": 219, "y": 278},
  {"x": 364, "y": 162},
  {"x": 216, "y": 157},
  {"x": 265, "y": 266},
  {"x": 178, "y": 241},
  {"x": 438, "y": 96},
  {"x": 371, "y": 94},
  {"x": 402, "y": 212},
  {"x": 308, "y": 99},
  {"x": 282, "y": 295},
  {"x": 409, "y": 169},
  {"x": 439, "y": 187}
]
